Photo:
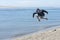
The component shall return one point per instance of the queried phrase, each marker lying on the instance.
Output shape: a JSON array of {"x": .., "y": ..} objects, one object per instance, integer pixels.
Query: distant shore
[{"x": 51, "y": 34}]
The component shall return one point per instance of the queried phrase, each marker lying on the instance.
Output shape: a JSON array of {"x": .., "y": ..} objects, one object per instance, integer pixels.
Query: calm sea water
[{"x": 14, "y": 22}]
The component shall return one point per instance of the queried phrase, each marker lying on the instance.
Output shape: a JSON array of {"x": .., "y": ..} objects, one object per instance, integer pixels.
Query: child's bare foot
[
  {"x": 39, "y": 20},
  {"x": 46, "y": 18}
]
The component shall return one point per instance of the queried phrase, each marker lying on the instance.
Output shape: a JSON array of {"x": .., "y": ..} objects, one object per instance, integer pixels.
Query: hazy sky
[{"x": 30, "y": 3}]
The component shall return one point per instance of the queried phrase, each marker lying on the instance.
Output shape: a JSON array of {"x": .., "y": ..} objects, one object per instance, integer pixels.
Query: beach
[
  {"x": 51, "y": 34},
  {"x": 19, "y": 24}
]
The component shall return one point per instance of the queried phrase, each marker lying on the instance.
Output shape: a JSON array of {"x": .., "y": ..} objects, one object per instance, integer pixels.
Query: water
[{"x": 17, "y": 22}]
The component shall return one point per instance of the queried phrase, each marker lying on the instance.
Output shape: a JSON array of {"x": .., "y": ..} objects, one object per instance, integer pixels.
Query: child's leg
[
  {"x": 38, "y": 18},
  {"x": 42, "y": 17}
]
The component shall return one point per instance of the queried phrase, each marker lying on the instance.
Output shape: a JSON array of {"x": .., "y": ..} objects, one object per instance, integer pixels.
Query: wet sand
[{"x": 52, "y": 34}]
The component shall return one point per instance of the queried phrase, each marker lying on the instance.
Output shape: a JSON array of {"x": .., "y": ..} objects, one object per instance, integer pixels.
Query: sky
[{"x": 30, "y": 3}]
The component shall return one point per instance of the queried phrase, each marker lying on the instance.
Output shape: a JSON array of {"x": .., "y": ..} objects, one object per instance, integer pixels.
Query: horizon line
[{"x": 25, "y": 7}]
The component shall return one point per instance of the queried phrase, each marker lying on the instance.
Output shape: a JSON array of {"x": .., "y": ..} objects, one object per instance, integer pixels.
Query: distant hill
[{"x": 7, "y": 6}]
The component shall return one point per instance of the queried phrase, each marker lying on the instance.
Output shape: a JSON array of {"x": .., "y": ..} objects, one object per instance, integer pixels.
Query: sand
[{"x": 52, "y": 34}]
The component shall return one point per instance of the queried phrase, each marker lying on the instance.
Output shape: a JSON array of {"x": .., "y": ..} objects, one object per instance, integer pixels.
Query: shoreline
[{"x": 50, "y": 34}]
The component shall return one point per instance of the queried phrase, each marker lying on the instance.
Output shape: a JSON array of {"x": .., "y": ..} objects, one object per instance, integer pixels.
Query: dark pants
[{"x": 41, "y": 15}]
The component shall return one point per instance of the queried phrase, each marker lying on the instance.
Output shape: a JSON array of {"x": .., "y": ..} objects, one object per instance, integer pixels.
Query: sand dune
[{"x": 53, "y": 34}]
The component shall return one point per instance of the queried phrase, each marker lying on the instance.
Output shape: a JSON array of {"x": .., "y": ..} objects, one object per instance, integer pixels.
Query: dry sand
[{"x": 53, "y": 34}]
